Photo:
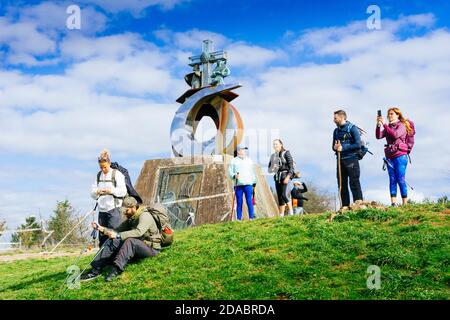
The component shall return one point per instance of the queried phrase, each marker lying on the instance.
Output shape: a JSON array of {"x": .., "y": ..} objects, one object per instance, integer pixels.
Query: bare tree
[{"x": 2, "y": 227}]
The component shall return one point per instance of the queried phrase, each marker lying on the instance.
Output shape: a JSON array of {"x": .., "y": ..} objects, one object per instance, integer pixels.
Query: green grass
[{"x": 276, "y": 258}]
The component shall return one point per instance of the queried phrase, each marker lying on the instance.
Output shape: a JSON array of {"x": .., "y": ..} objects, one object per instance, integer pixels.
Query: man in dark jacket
[
  {"x": 347, "y": 142},
  {"x": 137, "y": 237}
]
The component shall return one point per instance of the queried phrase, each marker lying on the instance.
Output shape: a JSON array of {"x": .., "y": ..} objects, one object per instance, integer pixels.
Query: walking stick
[
  {"x": 234, "y": 197},
  {"x": 340, "y": 177},
  {"x": 79, "y": 274}
]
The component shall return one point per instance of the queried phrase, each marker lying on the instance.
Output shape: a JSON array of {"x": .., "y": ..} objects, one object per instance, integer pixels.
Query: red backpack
[{"x": 410, "y": 137}]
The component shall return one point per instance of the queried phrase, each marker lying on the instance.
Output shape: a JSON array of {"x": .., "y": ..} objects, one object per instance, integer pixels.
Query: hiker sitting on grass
[{"x": 137, "y": 237}]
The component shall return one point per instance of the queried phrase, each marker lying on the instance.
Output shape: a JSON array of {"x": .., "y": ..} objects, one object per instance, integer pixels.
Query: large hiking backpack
[
  {"x": 130, "y": 189},
  {"x": 161, "y": 217},
  {"x": 410, "y": 137},
  {"x": 364, "y": 144},
  {"x": 283, "y": 159}
]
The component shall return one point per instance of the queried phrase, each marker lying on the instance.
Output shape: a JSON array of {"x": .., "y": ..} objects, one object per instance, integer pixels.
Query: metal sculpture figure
[{"x": 209, "y": 96}]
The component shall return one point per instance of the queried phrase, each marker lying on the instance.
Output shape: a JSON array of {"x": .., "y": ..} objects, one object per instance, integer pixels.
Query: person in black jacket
[
  {"x": 299, "y": 188},
  {"x": 282, "y": 165}
]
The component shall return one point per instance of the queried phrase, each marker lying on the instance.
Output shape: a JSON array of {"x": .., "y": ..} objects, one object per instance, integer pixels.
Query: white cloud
[
  {"x": 240, "y": 54},
  {"x": 192, "y": 39},
  {"x": 355, "y": 38},
  {"x": 24, "y": 38},
  {"x": 30, "y": 34},
  {"x": 116, "y": 46},
  {"x": 51, "y": 17},
  {"x": 136, "y": 7},
  {"x": 118, "y": 92},
  {"x": 300, "y": 100}
]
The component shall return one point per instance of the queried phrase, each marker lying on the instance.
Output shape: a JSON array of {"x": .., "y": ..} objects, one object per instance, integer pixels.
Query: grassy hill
[{"x": 277, "y": 258}]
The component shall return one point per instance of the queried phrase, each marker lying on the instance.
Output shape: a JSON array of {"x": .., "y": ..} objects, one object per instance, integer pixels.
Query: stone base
[{"x": 197, "y": 190}]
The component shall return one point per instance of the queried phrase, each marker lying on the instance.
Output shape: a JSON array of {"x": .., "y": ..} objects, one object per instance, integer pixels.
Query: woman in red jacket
[{"x": 396, "y": 150}]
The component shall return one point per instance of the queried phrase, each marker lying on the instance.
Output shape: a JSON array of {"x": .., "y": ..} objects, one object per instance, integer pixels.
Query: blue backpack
[{"x": 364, "y": 149}]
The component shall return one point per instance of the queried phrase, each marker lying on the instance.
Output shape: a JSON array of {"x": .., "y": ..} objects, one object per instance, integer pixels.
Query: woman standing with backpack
[
  {"x": 396, "y": 150},
  {"x": 282, "y": 165}
]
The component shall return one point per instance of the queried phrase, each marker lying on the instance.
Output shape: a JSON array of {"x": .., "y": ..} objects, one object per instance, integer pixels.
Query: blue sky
[{"x": 64, "y": 93}]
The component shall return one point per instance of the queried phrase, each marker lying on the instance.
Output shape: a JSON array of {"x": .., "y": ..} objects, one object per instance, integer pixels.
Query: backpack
[
  {"x": 410, "y": 137},
  {"x": 161, "y": 217},
  {"x": 364, "y": 144},
  {"x": 114, "y": 182},
  {"x": 282, "y": 159},
  {"x": 130, "y": 189}
]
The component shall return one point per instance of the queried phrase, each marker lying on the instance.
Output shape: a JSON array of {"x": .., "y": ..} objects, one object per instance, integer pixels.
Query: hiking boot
[
  {"x": 112, "y": 274},
  {"x": 91, "y": 275}
]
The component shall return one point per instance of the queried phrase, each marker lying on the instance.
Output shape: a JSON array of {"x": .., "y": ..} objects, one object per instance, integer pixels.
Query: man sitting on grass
[{"x": 137, "y": 237}]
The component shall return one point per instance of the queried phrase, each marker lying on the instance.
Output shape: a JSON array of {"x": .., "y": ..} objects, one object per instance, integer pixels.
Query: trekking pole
[
  {"x": 79, "y": 274},
  {"x": 93, "y": 235},
  {"x": 234, "y": 197},
  {"x": 79, "y": 222},
  {"x": 340, "y": 177}
]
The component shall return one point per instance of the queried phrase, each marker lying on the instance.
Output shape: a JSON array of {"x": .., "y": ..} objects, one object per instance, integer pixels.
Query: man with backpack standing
[
  {"x": 347, "y": 146},
  {"x": 109, "y": 189},
  {"x": 399, "y": 134},
  {"x": 139, "y": 236}
]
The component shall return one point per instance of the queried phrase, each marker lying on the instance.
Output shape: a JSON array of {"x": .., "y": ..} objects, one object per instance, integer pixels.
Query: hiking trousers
[
  {"x": 397, "y": 171},
  {"x": 282, "y": 193},
  {"x": 248, "y": 191},
  {"x": 350, "y": 173},
  {"x": 120, "y": 252},
  {"x": 111, "y": 220}
]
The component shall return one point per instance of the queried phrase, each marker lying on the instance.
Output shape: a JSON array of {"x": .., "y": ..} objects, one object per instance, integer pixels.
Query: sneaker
[
  {"x": 112, "y": 274},
  {"x": 91, "y": 275},
  {"x": 394, "y": 205}
]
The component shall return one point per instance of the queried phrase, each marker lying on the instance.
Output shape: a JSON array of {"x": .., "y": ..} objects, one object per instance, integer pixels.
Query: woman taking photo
[
  {"x": 396, "y": 150},
  {"x": 282, "y": 165}
]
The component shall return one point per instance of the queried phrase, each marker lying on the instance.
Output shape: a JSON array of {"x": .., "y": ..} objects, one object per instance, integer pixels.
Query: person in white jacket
[
  {"x": 109, "y": 189},
  {"x": 242, "y": 171}
]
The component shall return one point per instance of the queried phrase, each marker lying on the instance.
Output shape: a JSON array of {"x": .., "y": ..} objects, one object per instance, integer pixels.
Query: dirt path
[{"x": 24, "y": 256}]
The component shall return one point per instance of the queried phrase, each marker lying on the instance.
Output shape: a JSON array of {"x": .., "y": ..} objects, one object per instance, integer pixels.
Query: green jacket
[{"x": 141, "y": 226}]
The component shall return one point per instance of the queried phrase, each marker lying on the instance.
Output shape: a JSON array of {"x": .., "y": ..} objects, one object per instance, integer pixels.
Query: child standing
[{"x": 299, "y": 188}]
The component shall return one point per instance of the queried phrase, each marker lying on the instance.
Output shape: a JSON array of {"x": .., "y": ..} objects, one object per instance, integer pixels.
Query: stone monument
[{"x": 194, "y": 184}]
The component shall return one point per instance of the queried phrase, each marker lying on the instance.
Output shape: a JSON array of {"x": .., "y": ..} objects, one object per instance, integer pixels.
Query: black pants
[
  {"x": 110, "y": 220},
  {"x": 120, "y": 252},
  {"x": 350, "y": 172},
  {"x": 281, "y": 193}
]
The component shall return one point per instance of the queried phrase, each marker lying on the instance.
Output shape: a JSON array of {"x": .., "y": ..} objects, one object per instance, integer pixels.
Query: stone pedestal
[{"x": 197, "y": 190}]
